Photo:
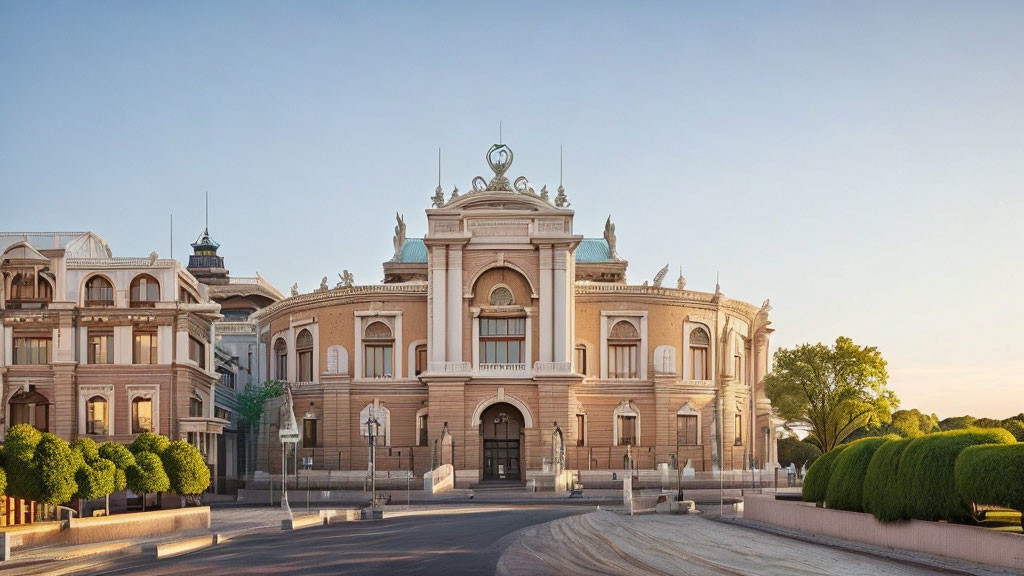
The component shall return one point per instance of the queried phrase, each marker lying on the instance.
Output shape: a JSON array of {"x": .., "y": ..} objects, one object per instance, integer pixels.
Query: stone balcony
[{"x": 496, "y": 370}]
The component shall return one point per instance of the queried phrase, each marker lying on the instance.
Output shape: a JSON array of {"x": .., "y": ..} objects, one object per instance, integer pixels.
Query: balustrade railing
[
  {"x": 501, "y": 369},
  {"x": 553, "y": 367}
]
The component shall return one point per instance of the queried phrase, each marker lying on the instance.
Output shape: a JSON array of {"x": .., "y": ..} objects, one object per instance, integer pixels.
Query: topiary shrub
[
  {"x": 147, "y": 475},
  {"x": 816, "y": 481},
  {"x": 21, "y": 439},
  {"x": 846, "y": 483},
  {"x": 880, "y": 493},
  {"x": 926, "y": 481},
  {"x": 187, "y": 471},
  {"x": 122, "y": 459},
  {"x": 798, "y": 452},
  {"x": 149, "y": 442},
  {"x": 1015, "y": 426},
  {"x": 87, "y": 447},
  {"x": 55, "y": 466},
  {"x": 95, "y": 480},
  {"x": 992, "y": 476},
  {"x": 19, "y": 446}
]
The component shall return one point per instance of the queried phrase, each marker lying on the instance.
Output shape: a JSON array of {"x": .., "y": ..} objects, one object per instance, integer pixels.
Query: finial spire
[
  {"x": 207, "y": 210},
  {"x": 559, "y": 165},
  {"x": 499, "y": 133},
  {"x": 438, "y": 166}
]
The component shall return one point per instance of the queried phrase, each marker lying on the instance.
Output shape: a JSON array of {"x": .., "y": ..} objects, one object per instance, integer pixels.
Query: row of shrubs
[
  {"x": 45, "y": 468},
  {"x": 937, "y": 477}
]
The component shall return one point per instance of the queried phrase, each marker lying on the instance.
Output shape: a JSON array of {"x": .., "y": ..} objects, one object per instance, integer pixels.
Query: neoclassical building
[
  {"x": 506, "y": 344},
  {"x": 105, "y": 347}
]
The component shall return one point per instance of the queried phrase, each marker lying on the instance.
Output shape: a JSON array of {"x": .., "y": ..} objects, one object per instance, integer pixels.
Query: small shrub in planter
[
  {"x": 926, "y": 481},
  {"x": 881, "y": 495},
  {"x": 816, "y": 481},
  {"x": 846, "y": 483},
  {"x": 992, "y": 475},
  {"x": 187, "y": 471}
]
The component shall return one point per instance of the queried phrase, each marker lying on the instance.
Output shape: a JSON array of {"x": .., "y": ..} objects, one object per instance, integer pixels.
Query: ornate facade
[{"x": 509, "y": 346}]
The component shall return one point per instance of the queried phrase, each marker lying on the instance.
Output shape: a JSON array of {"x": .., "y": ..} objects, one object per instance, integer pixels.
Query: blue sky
[{"x": 858, "y": 163}]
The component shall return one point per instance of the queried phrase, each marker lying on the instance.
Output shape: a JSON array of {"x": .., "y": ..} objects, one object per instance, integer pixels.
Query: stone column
[
  {"x": 438, "y": 273},
  {"x": 546, "y": 326},
  {"x": 561, "y": 301},
  {"x": 454, "y": 318}
]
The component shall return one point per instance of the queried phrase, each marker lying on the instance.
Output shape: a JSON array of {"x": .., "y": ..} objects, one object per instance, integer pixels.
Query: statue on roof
[
  {"x": 399, "y": 239},
  {"x": 347, "y": 280},
  {"x": 561, "y": 200},
  {"x": 609, "y": 237},
  {"x": 323, "y": 284},
  {"x": 544, "y": 193},
  {"x": 660, "y": 276},
  {"x": 681, "y": 281},
  {"x": 295, "y": 289},
  {"x": 438, "y": 198},
  {"x": 522, "y": 185},
  {"x": 455, "y": 194}
]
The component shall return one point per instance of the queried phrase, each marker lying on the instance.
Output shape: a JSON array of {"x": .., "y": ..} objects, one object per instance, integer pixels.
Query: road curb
[{"x": 177, "y": 547}]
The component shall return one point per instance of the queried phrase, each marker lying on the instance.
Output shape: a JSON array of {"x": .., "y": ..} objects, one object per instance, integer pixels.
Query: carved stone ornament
[
  {"x": 323, "y": 284},
  {"x": 437, "y": 200},
  {"x": 561, "y": 200},
  {"x": 609, "y": 237},
  {"x": 681, "y": 281},
  {"x": 295, "y": 289},
  {"x": 399, "y": 239},
  {"x": 544, "y": 193},
  {"x": 347, "y": 280},
  {"x": 660, "y": 276},
  {"x": 499, "y": 158}
]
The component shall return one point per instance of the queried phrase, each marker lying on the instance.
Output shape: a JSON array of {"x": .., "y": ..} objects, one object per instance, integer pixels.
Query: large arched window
[
  {"x": 623, "y": 350},
  {"x": 29, "y": 291},
  {"x": 378, "y": 350},
  {"x": 304, "y": 351},
  {"x": 281, "y": 359},
  {"x": 97, "y": 416},
  {"x": 30, "y": 408},
  {"x": 700, "y": 342},
  {"x": 142, "y": 415},
  {"x": 145, "y": 291},
  {"x": 627, "y": 424},
  {"x": 99, "y": 292}
]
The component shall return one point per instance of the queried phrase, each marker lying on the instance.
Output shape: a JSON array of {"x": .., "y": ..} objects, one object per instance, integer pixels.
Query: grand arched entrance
[{"x": 501, "y": 426}]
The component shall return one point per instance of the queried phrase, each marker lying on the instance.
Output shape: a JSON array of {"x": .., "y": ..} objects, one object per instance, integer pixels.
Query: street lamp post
[{"x": 372, "y": 428}]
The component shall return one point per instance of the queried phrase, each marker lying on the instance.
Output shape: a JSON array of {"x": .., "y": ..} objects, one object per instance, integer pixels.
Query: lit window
[
  {"x": 144, "y": 350},
  {"x": 142, "y": 415},
  {"x": 96, "y": 416}
]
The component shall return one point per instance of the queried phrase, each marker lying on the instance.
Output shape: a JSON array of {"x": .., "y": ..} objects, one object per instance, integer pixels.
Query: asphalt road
[{"x": 469, "y": 542}]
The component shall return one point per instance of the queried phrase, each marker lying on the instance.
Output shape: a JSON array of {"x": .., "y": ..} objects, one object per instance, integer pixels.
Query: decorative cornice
[{"x": 339, "y": 296}]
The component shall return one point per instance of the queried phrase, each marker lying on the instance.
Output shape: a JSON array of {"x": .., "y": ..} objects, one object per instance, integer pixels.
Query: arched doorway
[{"x": 502, "y": 428}]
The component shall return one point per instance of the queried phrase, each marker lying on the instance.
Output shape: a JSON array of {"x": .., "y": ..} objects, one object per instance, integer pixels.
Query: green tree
[
  {"x": 835, "y": 389},
  {"x": 147, "y": 475},
  {"x": 3, "y": 482},
  {"x": 87, "y": 447},
  {"x": 149, "y": 442},
  {"x": 94, "y": 480},
  {"x": 251, "y": 401},
  {"x": 987, "y": 423},
  {"x": 186, "y": 470},
  {"x": 797, "y": 452},
  {"x": 19, "y": 447},
  {"x": 122, "y": 459},
  {"x": 55, "y": 465},
  {"x": 1015, "y": 426},
  {"x": 956, "y": 423}
]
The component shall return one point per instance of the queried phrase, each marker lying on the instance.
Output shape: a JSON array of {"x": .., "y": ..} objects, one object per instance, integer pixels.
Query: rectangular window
[
  {"x": 306, "y": 366},
  {"x": 423, "y": 430},
  {"x": 377, "y": 361},
  {"x": 101, "y": 348},
  {"x": 581, "y": 360},
  {"x": 503, "y": 340},
  {"x": 142, "y": 415},
  {"x": 581, "y": 430},
  {"x": 197, "y": 351},
  {"x": 622, "y": 361},
  {"x": 686, "y": 430},
  {"x": 34, "y": 350},
  {"x": 421, "y": 360},
  {"x": 627, "y": 430},
  {"x": 698, "y": 363},
  {"x": 737, "y": 367},
  {"x": 739, "y": 429},
  {"x": 144, "y": 348},
  {"x": 309, "y": 439}
]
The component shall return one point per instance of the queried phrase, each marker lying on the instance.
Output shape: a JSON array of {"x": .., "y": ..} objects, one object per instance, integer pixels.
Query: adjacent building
[
  {"x": 105, "y": 347},
  {"x": 506, "y": 344}
]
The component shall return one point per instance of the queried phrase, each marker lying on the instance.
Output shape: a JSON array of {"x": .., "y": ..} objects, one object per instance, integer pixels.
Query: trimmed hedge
[
  {"x": 149, "y": 442},
  {"x": 881, "y": 496},
  {"x": 816, "y": 480},
  {"x": 186, "y": 470},
  {"x": 992, "y": 475},
  {"x": 925, "y": 481},
  {"x": 846, "y": 483}
]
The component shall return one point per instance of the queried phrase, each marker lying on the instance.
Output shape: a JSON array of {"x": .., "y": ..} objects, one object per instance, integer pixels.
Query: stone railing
[
  {"x": 517, "y": 370},
  {"x": 300, "y": 385},
  {"x": 235, "y": 327},
  {"x": 449, "y": 367},
  {"x": 552, "y": 367}
]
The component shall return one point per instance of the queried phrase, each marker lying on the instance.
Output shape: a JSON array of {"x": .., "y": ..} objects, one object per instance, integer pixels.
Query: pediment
[{"x": 498, "y": 200}]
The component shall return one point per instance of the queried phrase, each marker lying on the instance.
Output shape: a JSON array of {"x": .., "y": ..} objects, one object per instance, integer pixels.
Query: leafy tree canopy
[
  {"x": 147, "y": 474},
  {"x": 149, "y": 442},
  {"x": 122, "y": 459},
  {"x": 956, "y": 423},
  {"x": 252, "y": 398},
  {"x": 55, "y": 466},
  {"x": 186, "y": 470},
  {"x": 835, "y": 389}
]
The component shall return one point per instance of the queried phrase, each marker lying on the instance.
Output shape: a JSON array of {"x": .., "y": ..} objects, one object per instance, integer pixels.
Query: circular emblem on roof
[{"x": 499, "y": 158}]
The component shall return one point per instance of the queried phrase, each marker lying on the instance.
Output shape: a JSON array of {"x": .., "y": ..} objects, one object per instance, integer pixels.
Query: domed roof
[{"x": 88, "y": 246}]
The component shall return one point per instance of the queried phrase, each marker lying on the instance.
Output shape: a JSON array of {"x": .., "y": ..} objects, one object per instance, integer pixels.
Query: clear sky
[{"x": 860, "y": 163}]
